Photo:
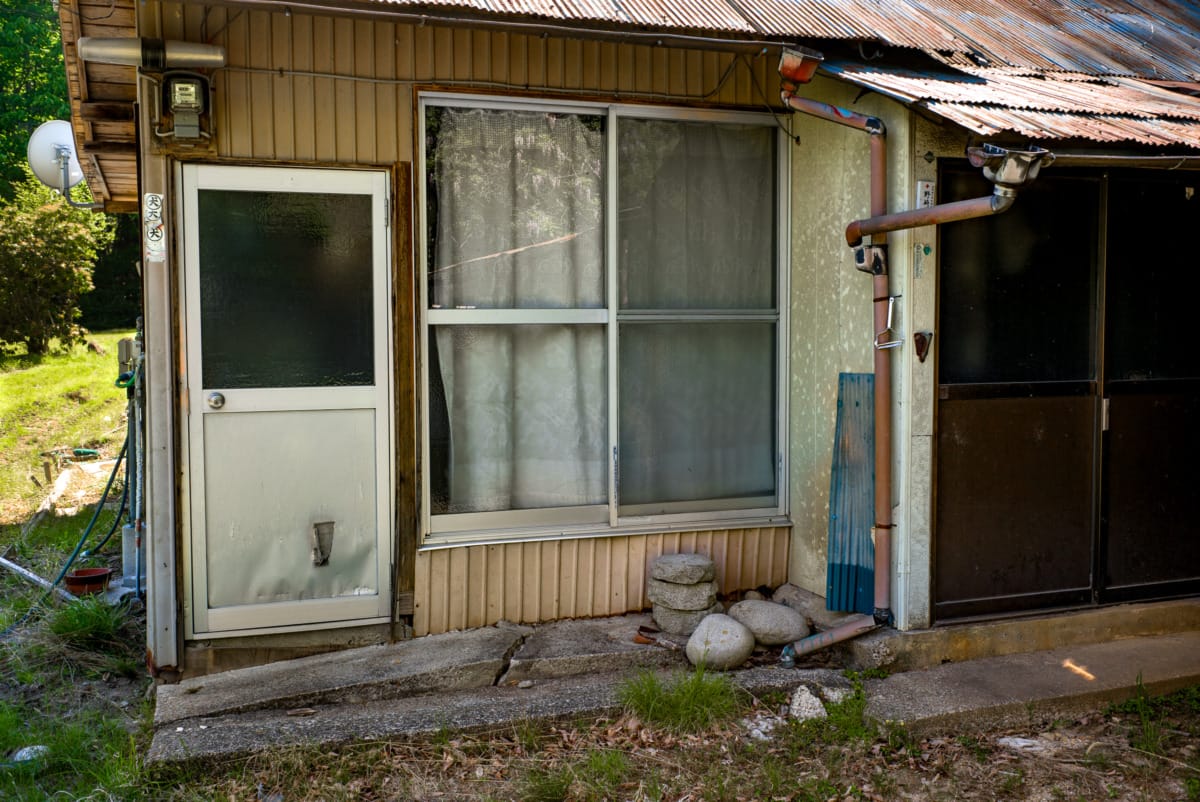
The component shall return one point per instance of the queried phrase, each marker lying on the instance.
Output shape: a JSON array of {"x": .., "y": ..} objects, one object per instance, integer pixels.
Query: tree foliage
[
  {"x": 47, "y": 249},
  {"x": 33, "y": 82}
]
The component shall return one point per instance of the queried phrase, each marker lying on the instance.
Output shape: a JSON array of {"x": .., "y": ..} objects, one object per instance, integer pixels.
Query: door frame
[{"x": 300, "y": 615}]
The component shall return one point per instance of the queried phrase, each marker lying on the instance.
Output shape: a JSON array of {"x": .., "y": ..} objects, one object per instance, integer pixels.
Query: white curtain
[
  {"x": 697, "y": 240},
  {"x": 517, "y": 203}
]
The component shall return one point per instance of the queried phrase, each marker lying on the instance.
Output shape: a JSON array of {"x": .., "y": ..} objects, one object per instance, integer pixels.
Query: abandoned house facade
[{"x": 463, "y": 312}]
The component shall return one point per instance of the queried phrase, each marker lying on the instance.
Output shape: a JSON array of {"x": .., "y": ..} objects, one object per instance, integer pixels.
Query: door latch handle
[{"x": 216, "y": 400}]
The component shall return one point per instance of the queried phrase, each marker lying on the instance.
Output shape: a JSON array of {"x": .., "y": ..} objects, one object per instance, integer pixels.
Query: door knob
[{"x": 216, "y": 400}]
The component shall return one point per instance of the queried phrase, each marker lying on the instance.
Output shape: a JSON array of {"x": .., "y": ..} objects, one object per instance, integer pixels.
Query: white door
[{"x": 286, "y": 308}]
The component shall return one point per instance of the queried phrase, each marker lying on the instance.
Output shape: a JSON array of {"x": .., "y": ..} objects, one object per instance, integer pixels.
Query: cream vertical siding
[
  {"x": 321, "y": 89},
  {"x": 475, "y": 586},
  {"x": 303, "y": 89}
]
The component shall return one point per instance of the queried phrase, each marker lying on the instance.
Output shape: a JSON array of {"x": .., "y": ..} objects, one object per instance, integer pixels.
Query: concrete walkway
[{"x": 496, "y": 677}]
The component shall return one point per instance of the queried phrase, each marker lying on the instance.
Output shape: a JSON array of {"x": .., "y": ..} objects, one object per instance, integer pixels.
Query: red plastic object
[{"x": 83, "y": 581}]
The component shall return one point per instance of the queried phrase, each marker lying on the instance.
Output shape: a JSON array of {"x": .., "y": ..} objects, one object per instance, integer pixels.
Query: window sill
[{"x": 496, "y": 537}]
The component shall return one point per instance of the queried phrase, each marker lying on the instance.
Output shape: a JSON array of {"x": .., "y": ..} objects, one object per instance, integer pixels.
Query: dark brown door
[
  {"x": 1150, "y": 535},
  {"x": 1017, "y": 409},
  {"x": 1069, "y": 396}
]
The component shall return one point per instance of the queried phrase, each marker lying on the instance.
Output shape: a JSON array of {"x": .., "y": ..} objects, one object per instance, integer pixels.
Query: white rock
[
  {"x": 753, "y": 595},
  {"x": 806, "y": 706},
  {"x": 1021, "y": 744},
  {"x": 720, "y": 642},
  {"x": 683, "y": 569},
  {"x": 772, "y": 624},
  {"x": 682, "y": 597}
]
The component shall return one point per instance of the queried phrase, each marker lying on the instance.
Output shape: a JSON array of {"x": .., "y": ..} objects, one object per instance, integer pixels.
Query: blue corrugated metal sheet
[{"x": 851, "y": 577}]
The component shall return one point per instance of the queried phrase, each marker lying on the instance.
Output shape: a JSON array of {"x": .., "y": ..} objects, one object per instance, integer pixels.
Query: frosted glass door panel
[
  {"x": 269, "y": 476},
  {"x": 285, "y": 289}
]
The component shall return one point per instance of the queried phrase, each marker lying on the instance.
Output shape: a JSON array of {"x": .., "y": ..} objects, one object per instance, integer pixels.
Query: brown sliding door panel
[
  {"x": 1016, "y": 525},
  {"x": 1151, "y": 525},
  {"x": 1018, "y": 427}
]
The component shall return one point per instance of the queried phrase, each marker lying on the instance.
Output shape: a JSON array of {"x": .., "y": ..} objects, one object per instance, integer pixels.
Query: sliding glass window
[{"x": 601, "y": 318}]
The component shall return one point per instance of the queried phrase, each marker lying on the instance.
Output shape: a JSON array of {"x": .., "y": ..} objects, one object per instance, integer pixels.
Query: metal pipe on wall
[
  {"x": 796, "y": 68},
  {"x": 1007, "y": 169}
]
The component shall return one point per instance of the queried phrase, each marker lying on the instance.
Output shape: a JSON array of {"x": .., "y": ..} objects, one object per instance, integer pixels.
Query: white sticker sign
[{"x": 154, "y": 233}]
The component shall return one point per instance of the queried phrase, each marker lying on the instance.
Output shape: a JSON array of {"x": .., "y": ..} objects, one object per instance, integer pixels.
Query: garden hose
[{"x": 78, "y": 546}]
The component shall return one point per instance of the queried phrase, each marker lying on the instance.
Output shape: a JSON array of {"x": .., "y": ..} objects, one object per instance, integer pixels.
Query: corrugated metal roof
[
  {"x": 1072, "y": 92},
  {"x": 990, "y": 120},
  {"x": 1042, "y": 105},
  {"x": 1146, "y": 38},
  {"x": 1046, "y": 69}
]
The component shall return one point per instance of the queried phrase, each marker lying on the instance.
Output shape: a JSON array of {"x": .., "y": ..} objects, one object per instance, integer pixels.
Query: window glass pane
[
  {"x": 697, "y": 412},
  {"x": 1151, "y": 332},
  {"x": 1018, "y": 297},
  {"x": 515, "y": 209},
  {"x": 285, "y": 289},
  {"x": 518, "y": 417},
  {"x": 697, "y": 215}
]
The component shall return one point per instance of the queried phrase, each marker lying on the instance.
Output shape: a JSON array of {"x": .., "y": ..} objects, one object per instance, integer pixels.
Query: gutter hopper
[
  {"x": 1010, "y": 168},
  {"x": 798, "y": 65}
]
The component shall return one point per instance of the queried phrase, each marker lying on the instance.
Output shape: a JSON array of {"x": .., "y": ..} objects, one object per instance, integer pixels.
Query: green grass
[
  {"x": 57, "y": 657},
  {"x": 90, "y": 623},
  {"x": 55, "y": 401},
  {"x": 88, "y": 756},
  {"x": 843, "y": 724},
  {"x": 597, "y": 776},
  {"x": 690, "y": 702}
]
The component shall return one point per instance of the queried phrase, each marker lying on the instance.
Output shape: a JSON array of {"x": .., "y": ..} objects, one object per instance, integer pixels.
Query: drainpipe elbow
[
  {"x": 854, "y": 235},
  {"x": 1002, "y": 199}
]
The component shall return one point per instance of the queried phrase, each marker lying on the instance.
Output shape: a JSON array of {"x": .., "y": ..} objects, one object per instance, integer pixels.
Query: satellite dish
[{"x": 49, "y": 145}]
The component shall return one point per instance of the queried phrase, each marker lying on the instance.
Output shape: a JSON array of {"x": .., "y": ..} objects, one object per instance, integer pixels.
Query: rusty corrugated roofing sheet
[
  {"x": 1069, "y": 92},
  {"x": 1147, "y": 38},
  {"x": 990, "y": 120},
  {"x": 1042, "y": 105},
  {"x": 1046, "y": 69}
]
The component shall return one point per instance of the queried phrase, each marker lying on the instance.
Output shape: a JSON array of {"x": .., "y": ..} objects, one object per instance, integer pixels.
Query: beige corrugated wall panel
[
  {"x": 300, "y": 88},
  {"x": 475, "y": 586}
]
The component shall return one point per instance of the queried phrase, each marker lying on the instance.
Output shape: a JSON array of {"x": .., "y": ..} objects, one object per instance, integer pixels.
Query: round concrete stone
[
  {"x": 683, "y": 569},
  {"x": 772, "y": 624},
  {"x": 720, "y": 642},
  {"x": 682, "y": 597},
  {"x": 682, "y": 622}
]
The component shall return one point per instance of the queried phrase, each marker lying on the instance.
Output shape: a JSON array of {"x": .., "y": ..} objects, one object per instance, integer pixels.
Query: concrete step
[
  {"x": 457, "y": 660},
  {"x": 491, "y": 708},
  {"x": 504, "y": 654},
  {"x": 1015, "y": 689},
  {"x": 958, "y": 642},
  {"x": 973, "y": 696}
]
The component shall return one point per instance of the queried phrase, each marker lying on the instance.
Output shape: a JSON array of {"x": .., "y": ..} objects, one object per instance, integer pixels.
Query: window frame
[{"x": 611, "y": 518}]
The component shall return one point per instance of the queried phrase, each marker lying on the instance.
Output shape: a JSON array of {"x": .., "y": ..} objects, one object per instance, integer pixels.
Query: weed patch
[
  {"x": 89, "y": 623},
  {"x": 690, "y": 702}
]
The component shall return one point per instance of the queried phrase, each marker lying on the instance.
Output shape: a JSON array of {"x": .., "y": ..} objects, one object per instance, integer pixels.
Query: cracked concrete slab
[
  {"x": 591, "y": 645},
  {"x": 355, "y": 694},
  {"x": 232, "y": 735},
  {"x": 457, "y": 660}
]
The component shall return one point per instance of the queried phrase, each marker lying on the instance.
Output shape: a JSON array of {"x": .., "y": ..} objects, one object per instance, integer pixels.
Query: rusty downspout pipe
[
  {"x": 877, "y": 131},
  {"x": 1007, "y": 170}
]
